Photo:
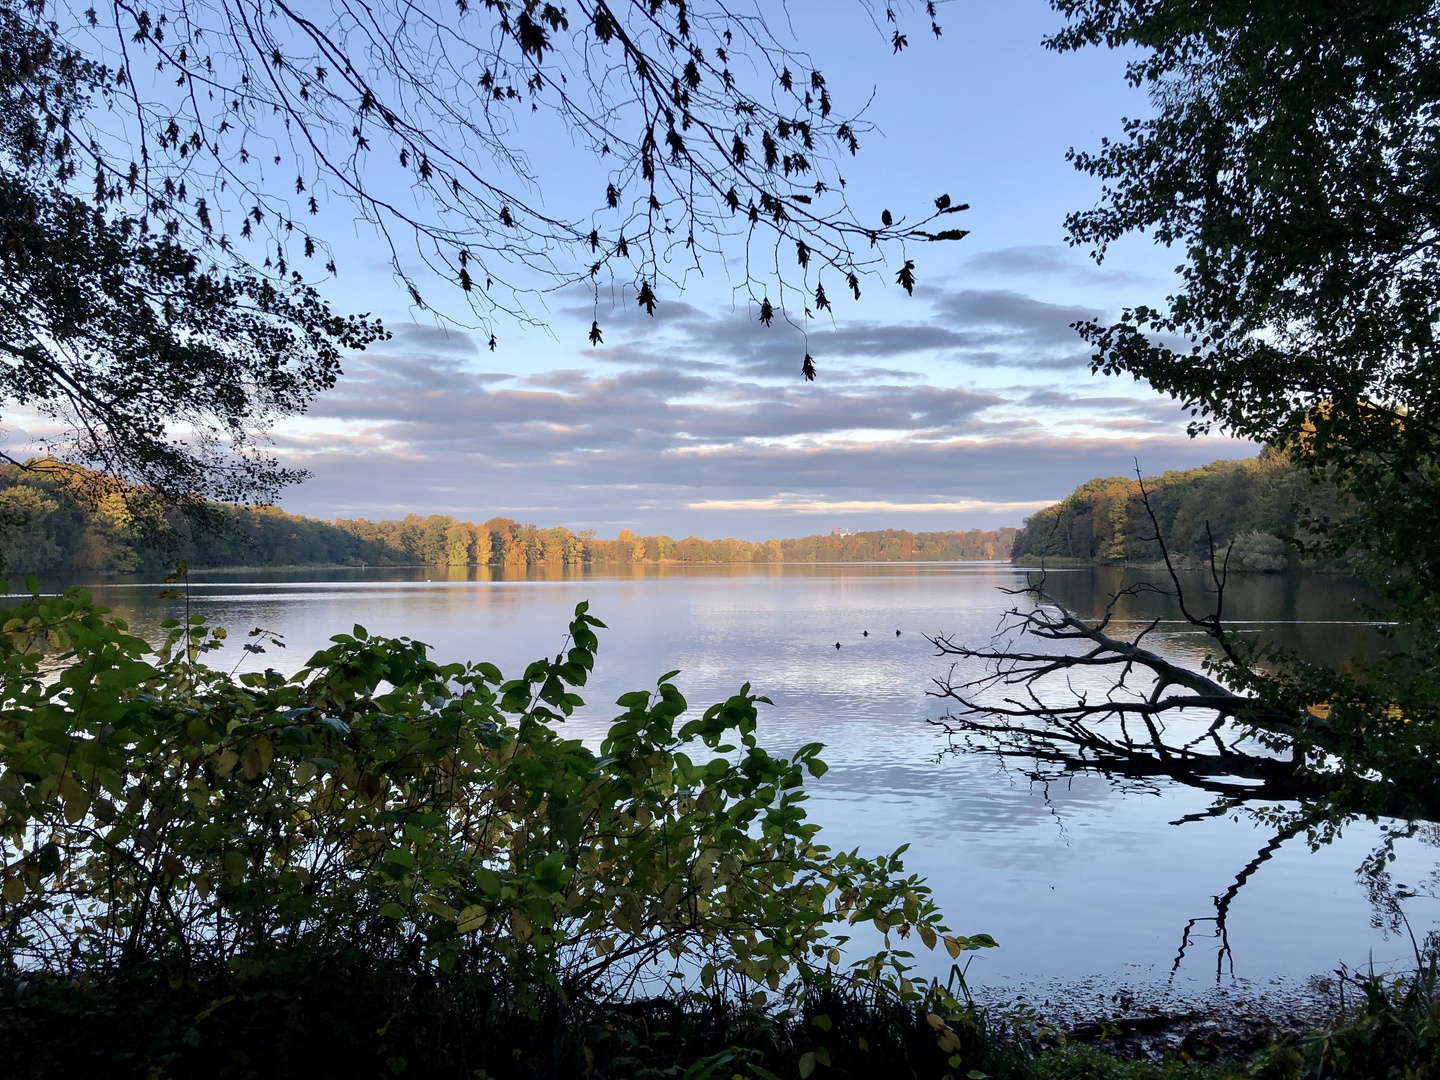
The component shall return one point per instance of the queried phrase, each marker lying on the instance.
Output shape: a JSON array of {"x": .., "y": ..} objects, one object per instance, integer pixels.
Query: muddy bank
[{"x": 1234, "y": 1022}]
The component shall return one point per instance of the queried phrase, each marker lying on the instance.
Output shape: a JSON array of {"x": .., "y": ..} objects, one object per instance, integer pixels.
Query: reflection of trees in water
[
  {"x": 1223, "y": 955},
  {"x": 1385, "y": 894},
  {"x": 1268, "y": 783},
  {"x": 1258, "y": 784},
  {"x": 1054, "y": 694}
]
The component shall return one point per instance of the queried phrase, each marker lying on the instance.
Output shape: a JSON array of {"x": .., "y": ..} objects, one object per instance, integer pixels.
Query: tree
[
  {"x": 1292, "y": 156},
  {"x": 155, "y": 367},
  {"x": 153, "y": 309},
  {"x": 436, "y": 816},
  {"x": 239, "y": 123}
]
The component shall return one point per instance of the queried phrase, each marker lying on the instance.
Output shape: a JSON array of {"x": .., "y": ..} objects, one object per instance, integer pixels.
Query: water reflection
[
  {"x": 1320, "y": 616},
  {"x": 1074, "y": 683},
  {"x": 1076, "y": 872}
]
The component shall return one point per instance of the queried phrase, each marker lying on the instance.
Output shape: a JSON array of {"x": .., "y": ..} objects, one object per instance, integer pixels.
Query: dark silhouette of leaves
[{"x": 906, "y": 277}]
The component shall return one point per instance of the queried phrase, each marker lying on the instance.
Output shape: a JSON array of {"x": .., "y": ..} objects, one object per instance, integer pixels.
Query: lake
[{"x": 1078, "y": 877}]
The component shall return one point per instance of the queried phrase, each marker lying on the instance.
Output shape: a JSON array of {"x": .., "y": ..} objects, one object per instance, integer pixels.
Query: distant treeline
[
  {"x": 1258, "y": 504},
  {"x": 53, "y": 522}
]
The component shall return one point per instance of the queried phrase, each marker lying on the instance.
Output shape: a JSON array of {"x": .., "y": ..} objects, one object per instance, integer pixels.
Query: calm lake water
[{"x": 1076, "y": 878}]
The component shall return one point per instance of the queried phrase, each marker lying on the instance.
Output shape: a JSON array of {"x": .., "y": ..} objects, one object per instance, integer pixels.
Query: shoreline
[
  {"x": 1153, "y": 1022},
  {"x": 291, "y": 567}
]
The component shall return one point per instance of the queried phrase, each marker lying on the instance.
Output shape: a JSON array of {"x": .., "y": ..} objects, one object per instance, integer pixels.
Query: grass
[{"x": 346, "y": 1016}]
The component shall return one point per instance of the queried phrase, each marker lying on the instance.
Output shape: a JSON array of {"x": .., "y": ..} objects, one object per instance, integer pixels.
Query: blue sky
[{"x": 969, "y": 404}]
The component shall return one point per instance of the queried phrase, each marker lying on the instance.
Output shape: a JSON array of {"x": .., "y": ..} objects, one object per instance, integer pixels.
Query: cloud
[
  {"x": 736, "y": 489},
  {"x": 1002, "y": 328},
  {"x": 422, "y": 401},
  {"x": 871, "y": 506},
  {"x": 1048, "y": 262},
  {"x": 691, "y": 422},
  {"x": 978, "y": 327},
  {"x": 431, "y": 338}
]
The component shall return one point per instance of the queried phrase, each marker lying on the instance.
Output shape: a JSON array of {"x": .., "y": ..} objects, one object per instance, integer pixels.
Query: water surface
[{"x": 1078, "y": 877}]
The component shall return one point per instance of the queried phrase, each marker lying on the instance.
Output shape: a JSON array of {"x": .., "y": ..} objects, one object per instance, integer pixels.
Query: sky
[{"x": 969, "y": 404}]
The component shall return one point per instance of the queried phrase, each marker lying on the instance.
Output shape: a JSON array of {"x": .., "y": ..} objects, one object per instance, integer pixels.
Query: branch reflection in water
[{"x": 1056, "y": 693}]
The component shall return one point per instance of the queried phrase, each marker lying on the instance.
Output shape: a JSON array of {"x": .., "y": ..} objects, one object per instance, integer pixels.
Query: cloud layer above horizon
[{"x": 964, "y": 407}]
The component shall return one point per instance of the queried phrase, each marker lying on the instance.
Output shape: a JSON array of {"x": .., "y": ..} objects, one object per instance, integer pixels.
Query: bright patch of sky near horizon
[{"x": 969, "y": 404}]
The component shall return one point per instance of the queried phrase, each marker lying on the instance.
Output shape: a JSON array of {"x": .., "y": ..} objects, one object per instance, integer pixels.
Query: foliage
[
  {"x": 151, "y": 306},
  {"x": 1285, "y": 155},
  {"x": 697, "y": 124},
  {"x": 1262, "y": 507},
  {"x": 50, "y": 528},
  {"x": 348, "y": 1016},
  {"x": 165, "y": 814},
  {"x": 1081, "y": 1062},
  {"x": 1394, "y": 1030},
  {"x": 153, "y": 366},
  {"x": 1288, "y": 154}
]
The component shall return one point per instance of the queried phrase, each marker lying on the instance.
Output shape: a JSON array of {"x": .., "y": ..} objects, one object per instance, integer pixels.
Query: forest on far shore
[
  {"x": 55, "y": 529},
  {"x": 1261, "y": 506}
]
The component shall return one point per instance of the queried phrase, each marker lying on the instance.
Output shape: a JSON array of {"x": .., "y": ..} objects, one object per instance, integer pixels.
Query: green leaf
[
  {"x": 393, "y": 910},
  {"x": 489, "y": 881}
]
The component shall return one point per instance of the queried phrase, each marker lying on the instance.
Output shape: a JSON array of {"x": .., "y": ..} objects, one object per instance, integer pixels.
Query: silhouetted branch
[{"x": 1090, "y": 699}]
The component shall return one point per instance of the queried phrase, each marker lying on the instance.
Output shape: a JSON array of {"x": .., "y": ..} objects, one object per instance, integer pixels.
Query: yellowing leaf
[
  {"x": 927, "y": 935},
  {"x": 471, "y": 919},
  {"x": 14, "y": 890},
  {"x": 953, "y": 947},
  {"x": 934, "y": 1021},
  {"x": 438, "y": 906}
]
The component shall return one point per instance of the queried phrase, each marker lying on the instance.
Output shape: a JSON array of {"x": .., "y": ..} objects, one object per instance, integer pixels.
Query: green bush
[{"x": 160, "y": 816}]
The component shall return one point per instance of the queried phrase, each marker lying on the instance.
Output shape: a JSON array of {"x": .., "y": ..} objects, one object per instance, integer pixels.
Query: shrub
[{"x": 159, "y": 813}]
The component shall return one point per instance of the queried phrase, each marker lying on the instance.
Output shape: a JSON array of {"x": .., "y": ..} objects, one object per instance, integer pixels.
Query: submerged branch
[{"x": 1095, "y": 701}]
